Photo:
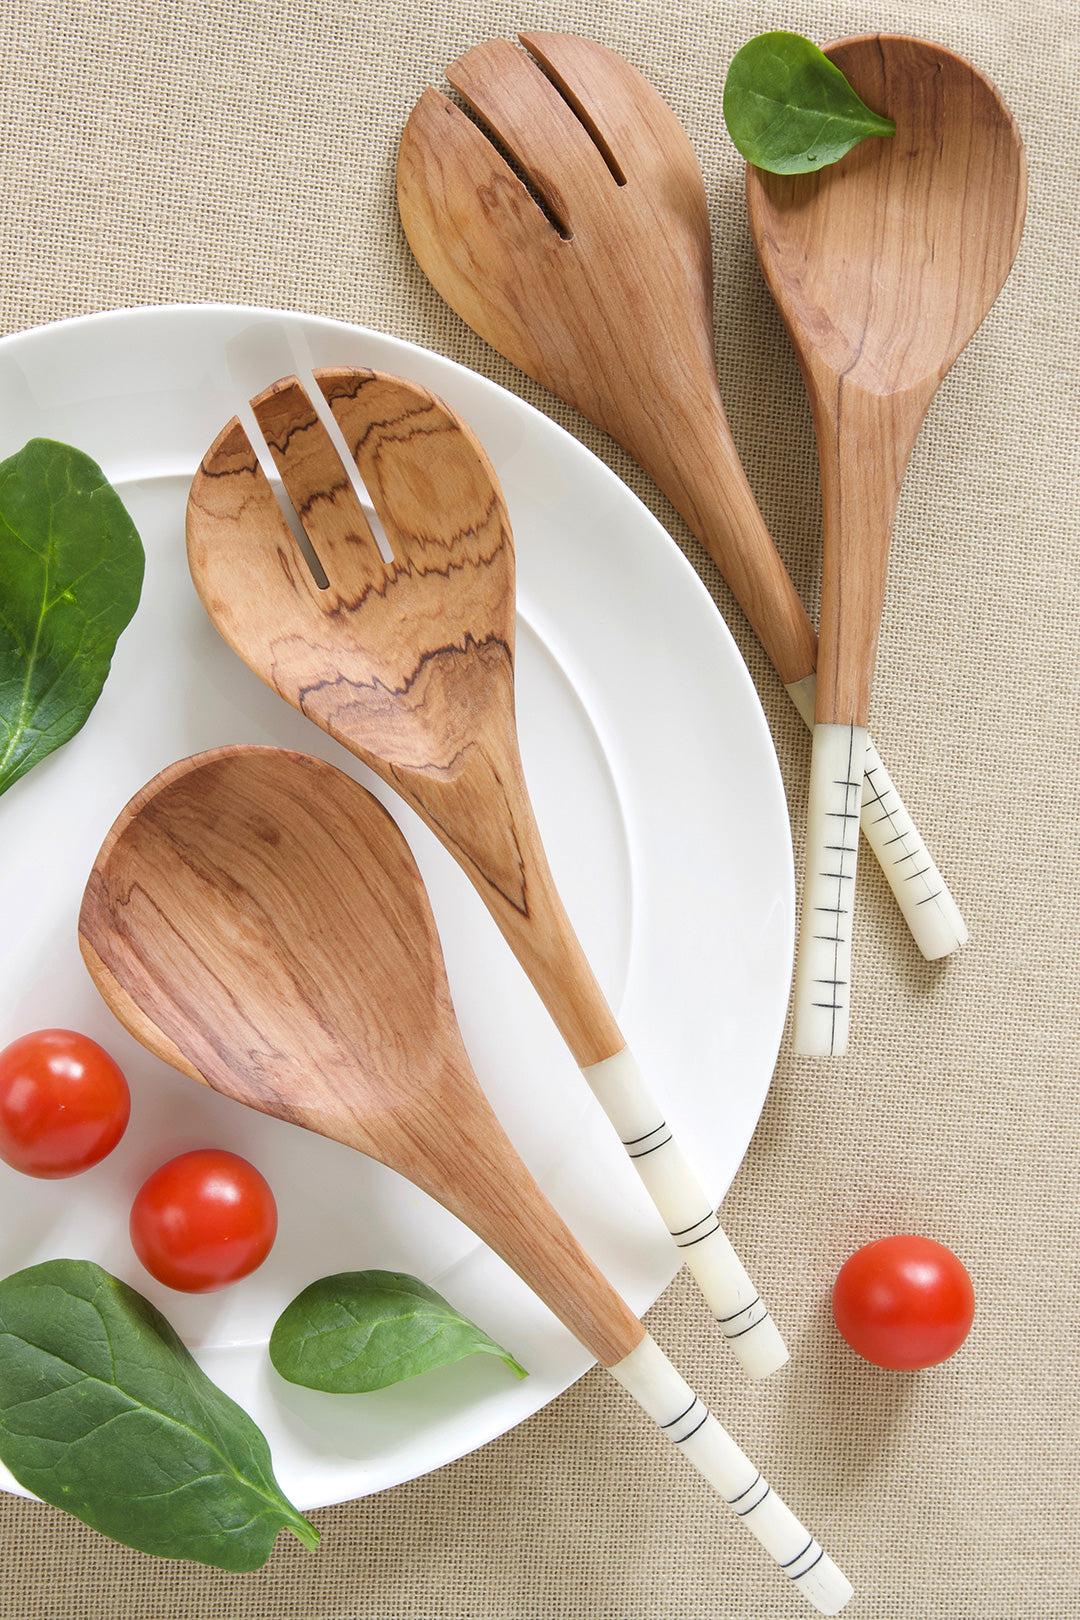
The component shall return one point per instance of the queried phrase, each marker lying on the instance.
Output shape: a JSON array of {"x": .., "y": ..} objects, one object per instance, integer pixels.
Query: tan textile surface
[{"x": 241, "y": 151}]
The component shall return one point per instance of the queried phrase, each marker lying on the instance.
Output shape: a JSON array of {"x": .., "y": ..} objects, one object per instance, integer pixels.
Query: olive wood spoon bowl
[
  {"x": 883, "y": 266},
  {"x": 606, "y": 299},
  {"x": 410, "y": 664},
  {"x": 256, "y": 918}
]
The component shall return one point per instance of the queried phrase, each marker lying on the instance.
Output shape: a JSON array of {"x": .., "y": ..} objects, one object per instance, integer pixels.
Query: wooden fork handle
[
  {"x": 688, "y": 1214},
  {"x": 531, "y": 916},
  {"x": 693, "y": 460}
]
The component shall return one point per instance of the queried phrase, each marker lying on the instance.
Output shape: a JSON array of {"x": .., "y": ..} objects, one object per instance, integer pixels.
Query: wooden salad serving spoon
[
  {"x": 256, "y": 919},
  {"x": 883, "y": 265},
  {"x": 410, "y": 664},
  {"x": 599, "y": 283}
]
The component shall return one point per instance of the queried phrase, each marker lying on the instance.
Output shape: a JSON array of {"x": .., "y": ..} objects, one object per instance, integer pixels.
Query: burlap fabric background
[{"x": 243, "y": 151}]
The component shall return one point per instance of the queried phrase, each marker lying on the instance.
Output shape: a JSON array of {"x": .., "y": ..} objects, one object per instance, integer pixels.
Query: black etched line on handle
[
  {"x": 737, "y": 1333},
  {"x": 745, "y": 1512},
  {"x": 902, "y": 834},
  {"x": 644, "y": 1152},
  {"x": 756, "y": 1481},
  {"x": 683, "y": 1438},
  {"x": 801, "y": 1554},
  {"x": 834, "y": 1003},
  {"x": 708, "y": 1216},
  {"x": 680, "y": 1439},
  {"x": 732, "y": 1500},
  {"x": 671, "y": 1422},
  {"x": 797, "y": 1575},
  {"x": 636, "y": 1141}
]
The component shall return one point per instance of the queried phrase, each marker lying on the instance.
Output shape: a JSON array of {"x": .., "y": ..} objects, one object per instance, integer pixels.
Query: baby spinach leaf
[
  {"x": 103, "y": 1412},
  {"x": 71, "y": 570},
  {"x": 790, "y": 110},
  {"x": 364, "y": 1330}
]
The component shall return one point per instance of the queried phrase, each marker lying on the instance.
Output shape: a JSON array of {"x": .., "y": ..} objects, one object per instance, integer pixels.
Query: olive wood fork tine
[
  {"x": 515, "y": 98},
  {"x": 407, "y": 451},
  {"x": 231, "y": 482},
  {"x": 605, "y": 93},
  {"x": 319, "y": 488}
]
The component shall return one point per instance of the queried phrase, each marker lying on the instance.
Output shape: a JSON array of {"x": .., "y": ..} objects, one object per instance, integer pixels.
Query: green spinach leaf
[
  {"x": 71, "y": 570},
  {"x": 790, "y": 110},
  {"x": 364, "y": 1330},
  {"x": 103, "y": 1412}
]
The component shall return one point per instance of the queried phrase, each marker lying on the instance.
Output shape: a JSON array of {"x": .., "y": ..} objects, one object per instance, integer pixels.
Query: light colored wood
[
  {"x": 409, "y": 663},
  {"x": 883, "y": 266},
  {"x": 263, "y": 914},
  {"x": 605, "y": 298}
]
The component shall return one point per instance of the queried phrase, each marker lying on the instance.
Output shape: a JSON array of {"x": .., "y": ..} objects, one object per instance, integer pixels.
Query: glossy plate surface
[{"x": 657, "y": 791}]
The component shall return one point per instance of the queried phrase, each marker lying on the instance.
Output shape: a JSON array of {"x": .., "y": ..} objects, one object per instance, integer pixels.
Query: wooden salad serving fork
[
  {"x": 410, "y": 664},
  {"x": 598, "y": 282},
  {"x": 255, "y": 917}
]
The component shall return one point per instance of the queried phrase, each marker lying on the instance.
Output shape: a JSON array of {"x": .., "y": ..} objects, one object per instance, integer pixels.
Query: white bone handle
[
  {"x": 921, "y": 892},
  {"x": 823, "y": 964},
  {"x": 655, "y": 1384},
  {"x": 687, "y": 1213}
]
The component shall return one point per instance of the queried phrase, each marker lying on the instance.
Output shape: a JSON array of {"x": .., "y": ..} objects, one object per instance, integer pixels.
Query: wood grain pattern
[
  {"x": 408, "y": 663},
  {"x": 883, "y": 266},
  {"x": 600, "y": 284},
  {"x": 263, "y": 915}
]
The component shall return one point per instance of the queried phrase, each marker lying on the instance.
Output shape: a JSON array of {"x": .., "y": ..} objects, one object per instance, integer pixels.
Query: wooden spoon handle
[
  {"x": 712, "y": 494},
  {"x": 865, "y": 442},
  {"x": 543, "y": 939},
  {"x": 656, "y": 1385},
  {"x": 688, "y": 1214},
  {"x": 505, "y": 1206}
]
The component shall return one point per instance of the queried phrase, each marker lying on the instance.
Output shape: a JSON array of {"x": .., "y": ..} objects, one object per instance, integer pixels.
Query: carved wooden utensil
[
  {"x": 256, "y": 918},
  {"x": 604, "y": 296},
  {"x": 410, "y": 664},
  {"x": 883, "y": 266}
]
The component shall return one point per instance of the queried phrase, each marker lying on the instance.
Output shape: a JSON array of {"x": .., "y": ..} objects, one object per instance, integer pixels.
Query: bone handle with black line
[
  {"x": 688, "y": 1214},
  {"x": 911, "y": 872},
  {"x": 546, "y": 945},
  {"x": 680, "y": 1414}
]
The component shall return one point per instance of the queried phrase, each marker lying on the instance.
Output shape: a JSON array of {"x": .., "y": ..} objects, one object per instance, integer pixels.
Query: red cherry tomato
[
  {"x": 904, "y": 1302},
  {"x": 64, "y": 1103},
  {"x": 203, "y": 1220}
]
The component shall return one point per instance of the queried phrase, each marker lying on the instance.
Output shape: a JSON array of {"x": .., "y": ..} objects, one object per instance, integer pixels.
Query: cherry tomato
[
  {"x": 904, "y": 1302},
  {"x": 203, "y": 1220},
  {"x": 64, "y": 1103}
]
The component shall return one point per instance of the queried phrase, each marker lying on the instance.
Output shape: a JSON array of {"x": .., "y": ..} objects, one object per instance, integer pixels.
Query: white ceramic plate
[{"x": 658, "y": 794}]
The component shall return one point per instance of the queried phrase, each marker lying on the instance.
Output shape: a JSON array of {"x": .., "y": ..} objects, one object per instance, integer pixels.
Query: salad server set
[
  {"x": 598, "y": 283},
  {"x": 256, "y": 919}
]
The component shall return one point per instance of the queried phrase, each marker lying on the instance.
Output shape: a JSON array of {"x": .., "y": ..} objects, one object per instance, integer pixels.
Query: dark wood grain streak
[{"x": 256, "y": 918}]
